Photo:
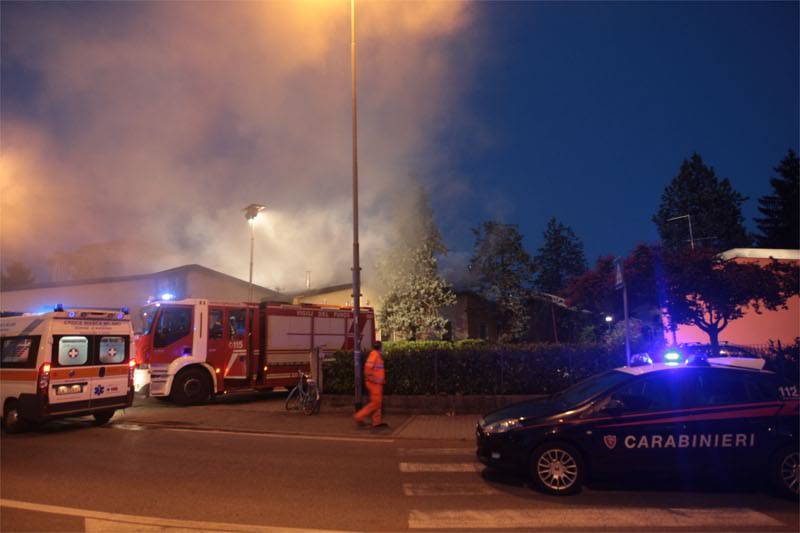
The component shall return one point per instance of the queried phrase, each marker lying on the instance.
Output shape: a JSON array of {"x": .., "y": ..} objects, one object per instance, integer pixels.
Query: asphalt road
[{"x": 130, "y": 478}]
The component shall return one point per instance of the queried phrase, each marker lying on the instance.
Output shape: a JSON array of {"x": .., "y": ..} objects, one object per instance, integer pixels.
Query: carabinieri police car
[{"x": 685, "y": 420}]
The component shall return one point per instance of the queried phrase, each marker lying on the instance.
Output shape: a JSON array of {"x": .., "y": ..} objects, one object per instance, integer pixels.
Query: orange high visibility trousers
[{"x": 375, "y": 404}]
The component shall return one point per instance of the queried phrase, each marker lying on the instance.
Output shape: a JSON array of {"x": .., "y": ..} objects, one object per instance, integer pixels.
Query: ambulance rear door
[{"x": 89, "y": 365}]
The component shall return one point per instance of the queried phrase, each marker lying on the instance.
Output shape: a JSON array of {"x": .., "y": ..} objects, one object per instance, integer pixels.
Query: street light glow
[{"x": 251, "y": 213}]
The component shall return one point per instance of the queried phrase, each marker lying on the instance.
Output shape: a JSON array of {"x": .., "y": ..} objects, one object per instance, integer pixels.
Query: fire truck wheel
[
  {"x": 12, "y": 422},
  {"x": 102, "y": 417},
  {"x": 191, "y": 387}
]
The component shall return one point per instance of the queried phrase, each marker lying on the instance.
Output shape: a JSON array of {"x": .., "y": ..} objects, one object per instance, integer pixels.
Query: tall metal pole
[
  {"x": 252, "y": 240},
  {"x": 356, "y": 266},
  {"x": 627, "y": 325}
]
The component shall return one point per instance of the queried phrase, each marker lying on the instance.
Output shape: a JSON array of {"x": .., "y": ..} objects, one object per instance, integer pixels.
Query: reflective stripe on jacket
[{"x": 373, "y": 368}]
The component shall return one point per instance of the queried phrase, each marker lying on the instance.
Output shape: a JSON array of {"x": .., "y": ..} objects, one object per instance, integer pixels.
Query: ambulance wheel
[
  {"x": 557, "y": 468},
  {"x": 12, "y": 422},
  {"x": 191, "y": 387},
  {"x": 785, "y": 472},
  {"x": 102, "y": 417}
]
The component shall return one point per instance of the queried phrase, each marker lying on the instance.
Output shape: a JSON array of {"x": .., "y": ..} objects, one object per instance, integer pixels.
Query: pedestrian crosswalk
[{"x": 446, "y": 491}]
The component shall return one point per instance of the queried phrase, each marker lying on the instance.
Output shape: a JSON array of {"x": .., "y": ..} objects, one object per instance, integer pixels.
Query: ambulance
[
  {"x": 193, "y": 349},
  {"x": 71, "y": 362}
]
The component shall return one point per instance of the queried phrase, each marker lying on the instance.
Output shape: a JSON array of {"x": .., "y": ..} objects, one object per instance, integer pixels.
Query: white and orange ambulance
[{"x": 71, "y": 362}]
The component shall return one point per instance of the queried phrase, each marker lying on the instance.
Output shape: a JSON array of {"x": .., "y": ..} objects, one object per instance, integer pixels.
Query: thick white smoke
[{"x": 159, "y": 122}]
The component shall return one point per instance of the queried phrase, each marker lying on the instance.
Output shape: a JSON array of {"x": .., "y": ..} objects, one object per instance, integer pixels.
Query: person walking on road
[{"x": 375, "y": 377}]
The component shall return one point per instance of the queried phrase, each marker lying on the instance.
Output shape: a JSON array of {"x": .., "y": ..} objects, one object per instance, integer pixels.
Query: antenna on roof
[{"x": 308, "y": 280}]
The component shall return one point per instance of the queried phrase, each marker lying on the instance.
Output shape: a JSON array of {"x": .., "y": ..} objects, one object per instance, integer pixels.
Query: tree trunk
[{"x": 713, "y": 335}]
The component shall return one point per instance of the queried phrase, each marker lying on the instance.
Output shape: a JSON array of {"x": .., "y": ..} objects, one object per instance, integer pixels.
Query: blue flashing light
[
  {"x": 120, "y": 315},
  {"x": 672, "y": 356},
  {"x": 72, "y": 314},
  {"x": 126, "y": 311},
  {"x": 672, "y": 363},
  {"x": 58, "y": 308},
  {"x": 167, "y": 296}
]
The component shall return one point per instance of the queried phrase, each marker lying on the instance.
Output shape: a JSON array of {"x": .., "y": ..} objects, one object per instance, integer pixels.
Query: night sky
[
  {"x": 160, "y": 121},
  {"x": 589, "y": 109}
]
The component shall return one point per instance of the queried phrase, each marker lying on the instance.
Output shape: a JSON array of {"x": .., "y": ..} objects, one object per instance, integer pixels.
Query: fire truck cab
[{"x": 192, "y": 349}]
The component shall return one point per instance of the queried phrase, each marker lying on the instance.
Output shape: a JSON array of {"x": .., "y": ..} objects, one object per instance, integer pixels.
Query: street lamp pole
[
  {"x": 250, "y": 213},
  {"x": 356, "y": 266}
]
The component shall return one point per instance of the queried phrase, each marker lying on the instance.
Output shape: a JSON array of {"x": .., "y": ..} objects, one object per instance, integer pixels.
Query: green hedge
[{"x": 476, "y": 367}]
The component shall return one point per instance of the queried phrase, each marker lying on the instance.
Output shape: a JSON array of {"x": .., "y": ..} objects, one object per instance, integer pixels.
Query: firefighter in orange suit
[{"x": 375, "y": 377}]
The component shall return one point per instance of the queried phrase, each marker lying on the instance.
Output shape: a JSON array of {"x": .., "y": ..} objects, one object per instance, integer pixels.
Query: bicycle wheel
[
  {"x": 311, "y": 401},
  {"x": 293, "y": 399}
]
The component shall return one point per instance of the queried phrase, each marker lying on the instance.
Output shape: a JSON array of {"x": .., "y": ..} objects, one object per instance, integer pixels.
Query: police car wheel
[
  {"x": 557, "y": 468},
  {"x": 786, "y": 472},
  {"x": 12, "y": 422},
  {"x": 191, "y": 387}
]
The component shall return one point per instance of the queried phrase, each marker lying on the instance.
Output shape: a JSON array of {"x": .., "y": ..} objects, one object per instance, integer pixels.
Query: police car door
[
  {"x": 729, "y": 427},
  {"x": 639, "y": 427}
]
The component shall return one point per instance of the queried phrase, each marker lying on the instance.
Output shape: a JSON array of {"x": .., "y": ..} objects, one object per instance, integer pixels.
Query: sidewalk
[{"x": 260, "y": 413}]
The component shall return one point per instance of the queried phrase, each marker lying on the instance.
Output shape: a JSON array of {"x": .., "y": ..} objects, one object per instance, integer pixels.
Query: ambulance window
[
  {"x": 174, "y": 323},
  {"x": 73, "y": 351},
  {"x": 237, "y": 323},
  {"x": 215, "y": 329},
  {"x": 19, "y": 352},
  {"x": 112, "y": 350}
]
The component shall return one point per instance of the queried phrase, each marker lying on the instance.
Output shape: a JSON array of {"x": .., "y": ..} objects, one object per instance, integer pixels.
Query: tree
[
  {"x": 503, "y": 270},
  {"x": 594, "y": 289},
  {"x": 714, "y": 207},
  {"x": 16, "y": 275},
  {"x": 409, "y": 271},
  {"x": 560, "y": 258},
  {"x": 780, "y": 227},
  {"x": 706, "y": 291}
]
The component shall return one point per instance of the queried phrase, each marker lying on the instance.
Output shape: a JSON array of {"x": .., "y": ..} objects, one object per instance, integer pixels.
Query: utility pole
[{"x": 356, "y": 265}]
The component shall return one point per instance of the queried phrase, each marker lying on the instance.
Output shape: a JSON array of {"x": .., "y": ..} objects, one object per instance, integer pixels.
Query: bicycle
[{"x": 305, "y": 395}]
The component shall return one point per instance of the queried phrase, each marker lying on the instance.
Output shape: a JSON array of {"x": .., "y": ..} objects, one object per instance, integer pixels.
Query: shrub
[{"x": 476, "y": 367}]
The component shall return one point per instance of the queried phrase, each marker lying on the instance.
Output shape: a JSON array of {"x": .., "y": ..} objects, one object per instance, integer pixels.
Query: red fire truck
[{"x": 192, "y": 349}]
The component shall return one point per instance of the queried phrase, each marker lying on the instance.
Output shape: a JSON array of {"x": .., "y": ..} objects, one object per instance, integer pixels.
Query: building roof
[
  {"x": 760, "y": 253},
  {"x": 185, "y": 269},
  {"x": 321, "y": 290}
]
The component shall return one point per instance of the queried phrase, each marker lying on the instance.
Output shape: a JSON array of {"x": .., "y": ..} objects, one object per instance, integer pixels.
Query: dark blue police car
[{"x": 664, "y": 419}]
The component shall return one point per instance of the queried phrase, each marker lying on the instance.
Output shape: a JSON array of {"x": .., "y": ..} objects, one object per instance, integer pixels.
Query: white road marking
[
  {"x": 280, "y": 435},
  {"x": 447, "y": 489},
  {"x": 591, "y": 518},
  {"x": 100, "y": 521},
  {"x": 441, "y": 467},
  {"x": 435, "y": 451}
]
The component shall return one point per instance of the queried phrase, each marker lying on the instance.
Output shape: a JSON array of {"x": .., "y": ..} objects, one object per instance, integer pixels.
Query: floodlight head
[{"x": 252, "y": 211}]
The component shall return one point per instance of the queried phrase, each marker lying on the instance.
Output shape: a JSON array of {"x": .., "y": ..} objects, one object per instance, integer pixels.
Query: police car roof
[{"x": 739, "y": 363}]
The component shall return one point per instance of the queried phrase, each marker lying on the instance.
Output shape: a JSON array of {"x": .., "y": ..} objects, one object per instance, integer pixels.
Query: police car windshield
[{"x": 588, "y": 388}]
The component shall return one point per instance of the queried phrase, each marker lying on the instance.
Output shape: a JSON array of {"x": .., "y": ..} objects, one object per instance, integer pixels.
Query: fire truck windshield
[{"x": 146, "y": 317}]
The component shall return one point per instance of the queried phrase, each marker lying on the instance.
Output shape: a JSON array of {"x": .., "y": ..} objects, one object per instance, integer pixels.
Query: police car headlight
[{"x": 502, "y": 426}]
